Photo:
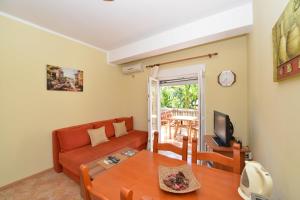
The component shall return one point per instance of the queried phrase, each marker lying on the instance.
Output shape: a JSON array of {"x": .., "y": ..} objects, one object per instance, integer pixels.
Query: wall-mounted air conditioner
[{"x": 134, "y": 68}]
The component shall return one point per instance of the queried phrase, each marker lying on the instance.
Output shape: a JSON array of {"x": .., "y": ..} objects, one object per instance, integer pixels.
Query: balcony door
[
  {"x": 190, "y": 74},
  {"x": 153, "y": 109}
]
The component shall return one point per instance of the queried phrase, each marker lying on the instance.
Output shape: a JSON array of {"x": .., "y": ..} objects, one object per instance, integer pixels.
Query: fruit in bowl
[{"x": 176, "y": 181}]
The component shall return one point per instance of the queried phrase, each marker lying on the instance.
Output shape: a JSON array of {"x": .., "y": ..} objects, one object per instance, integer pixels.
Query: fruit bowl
[{"x": 179, "y": 179}]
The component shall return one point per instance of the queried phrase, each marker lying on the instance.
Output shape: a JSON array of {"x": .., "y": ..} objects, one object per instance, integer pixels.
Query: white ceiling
[
  {"x": 230, "y": 23},
  {"x": 111, "y": 25}
]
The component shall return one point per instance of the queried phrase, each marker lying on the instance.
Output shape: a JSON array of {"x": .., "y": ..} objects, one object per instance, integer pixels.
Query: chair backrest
[
  {"x": 170, "y": 147},
  {"x": 233, "y": 162},
  {"x": 86, "y": 181},
  {"x": 90, "y": 194},
  {"x": 126, "y": 194}
]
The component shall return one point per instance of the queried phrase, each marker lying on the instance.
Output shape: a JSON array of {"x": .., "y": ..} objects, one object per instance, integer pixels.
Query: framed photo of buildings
[
  {"x": 286, "y": 42},
  {"x": 64, "y": 79}
]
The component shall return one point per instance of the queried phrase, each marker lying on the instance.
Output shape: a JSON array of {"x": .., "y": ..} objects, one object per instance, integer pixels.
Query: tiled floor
[{"x": 48, "y": 186}]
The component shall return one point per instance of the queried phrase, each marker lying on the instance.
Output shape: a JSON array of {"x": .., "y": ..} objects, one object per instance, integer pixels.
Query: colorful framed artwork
[
  {"x": 64, "y": 79},
  {"x": 286, "y": 42}
]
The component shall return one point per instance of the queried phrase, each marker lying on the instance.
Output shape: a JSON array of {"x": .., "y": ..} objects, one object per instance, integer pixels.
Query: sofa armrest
[{"x": 55, "y": 152}]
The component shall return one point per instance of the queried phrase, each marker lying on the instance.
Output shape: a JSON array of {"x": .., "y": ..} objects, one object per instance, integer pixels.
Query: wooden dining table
[{"x": 140, "y": 174}]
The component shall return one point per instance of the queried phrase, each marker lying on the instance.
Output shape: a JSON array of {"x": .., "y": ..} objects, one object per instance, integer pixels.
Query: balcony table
[
  {"x": 140, "y": 174},
  {"x": 179, "y": 121}
]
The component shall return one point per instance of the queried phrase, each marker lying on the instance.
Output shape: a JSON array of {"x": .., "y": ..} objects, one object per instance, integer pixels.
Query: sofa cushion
[
  {"x": 128, "y": 122},
  {"x": 109, "y": 128},
  {"x": 73, "y": 159},
  {"x": 97, "y": 136},
  {"x": 120, "y": 129},
  {"x": 73, "y": 137}
]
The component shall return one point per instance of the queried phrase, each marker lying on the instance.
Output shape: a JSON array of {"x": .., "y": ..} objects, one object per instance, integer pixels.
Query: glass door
[{"x": 153, "y": 110}]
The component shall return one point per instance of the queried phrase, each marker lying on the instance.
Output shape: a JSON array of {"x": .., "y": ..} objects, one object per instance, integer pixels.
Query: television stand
[{"x": 212, "y": 146}]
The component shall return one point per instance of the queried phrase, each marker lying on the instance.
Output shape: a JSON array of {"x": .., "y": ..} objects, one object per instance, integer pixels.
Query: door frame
[{"x": 198, "y": 71}]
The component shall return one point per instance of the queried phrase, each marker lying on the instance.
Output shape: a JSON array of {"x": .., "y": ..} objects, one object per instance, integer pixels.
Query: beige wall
[
  {"x": 28, "y": 112},
  {"x": 273, "y": 107},
  {"x": 231, "y": 100}
]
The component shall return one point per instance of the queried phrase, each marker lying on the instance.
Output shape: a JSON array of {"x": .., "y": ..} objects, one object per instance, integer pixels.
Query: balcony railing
[{"x": 179, "y": 112}]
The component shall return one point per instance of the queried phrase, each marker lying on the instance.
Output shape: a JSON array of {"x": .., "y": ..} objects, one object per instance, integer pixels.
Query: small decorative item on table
[
  {"x": 111, "y": 160},
  {"x": 177, "y": 179},
  {"x": 117, "y": 157},
  {"x": 129, "y": 152}
]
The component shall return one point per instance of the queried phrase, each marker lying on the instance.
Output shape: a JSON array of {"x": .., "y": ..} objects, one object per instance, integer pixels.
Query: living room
[{"x": 36, "y": 34}]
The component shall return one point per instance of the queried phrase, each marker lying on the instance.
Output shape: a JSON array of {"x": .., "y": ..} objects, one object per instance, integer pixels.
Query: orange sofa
[{"x": 72, "y": 145}]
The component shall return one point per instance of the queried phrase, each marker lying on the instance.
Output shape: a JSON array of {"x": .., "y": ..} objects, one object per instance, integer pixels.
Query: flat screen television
[{"x": 223, "y": 129}]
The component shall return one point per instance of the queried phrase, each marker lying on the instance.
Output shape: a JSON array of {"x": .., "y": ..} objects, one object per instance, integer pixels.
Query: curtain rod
[{"x": 190, "y": 58}]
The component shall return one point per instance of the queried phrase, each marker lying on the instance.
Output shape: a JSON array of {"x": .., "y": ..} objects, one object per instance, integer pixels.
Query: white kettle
[{"x": 255, "y": 179}]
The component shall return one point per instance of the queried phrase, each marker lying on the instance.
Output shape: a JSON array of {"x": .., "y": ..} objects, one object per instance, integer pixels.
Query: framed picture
[
  {"x": 286, "y": 42},
  {"x": 64, "y": 79}
]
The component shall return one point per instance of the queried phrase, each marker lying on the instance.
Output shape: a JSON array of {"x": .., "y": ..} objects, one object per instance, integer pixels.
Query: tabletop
[
  {"x": 184, "y": 118},
  {"x": 140, "y": 174}
]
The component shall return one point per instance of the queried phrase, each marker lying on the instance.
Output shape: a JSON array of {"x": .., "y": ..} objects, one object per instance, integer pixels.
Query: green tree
[{"x": 180, "y": 96}]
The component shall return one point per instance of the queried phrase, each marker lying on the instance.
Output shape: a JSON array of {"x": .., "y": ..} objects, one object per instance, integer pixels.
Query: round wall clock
[{"x": 226, "y": 78}]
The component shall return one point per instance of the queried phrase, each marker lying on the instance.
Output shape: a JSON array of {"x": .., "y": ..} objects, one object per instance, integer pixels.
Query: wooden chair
[
  {"x": 170, "y": 147},
  {"x": 234, "y": 162},
  {"x": 126, "y": 194},
  {"x": 91, "y": 194},
  {"x": 195, "y": 129},
  {"x": 175, "y": 124},
  {"x": 164, "y": 118}
]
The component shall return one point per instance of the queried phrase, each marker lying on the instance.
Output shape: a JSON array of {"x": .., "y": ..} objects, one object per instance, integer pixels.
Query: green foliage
[{"x": 179, "y": 96}]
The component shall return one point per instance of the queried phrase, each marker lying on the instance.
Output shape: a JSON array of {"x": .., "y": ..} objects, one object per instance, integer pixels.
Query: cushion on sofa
[
  {"x": 109, "y": 128},
  {"x": 128, "y": 122},
  {"x": 120, "y": 128},
  {"x": 97, "y": 136},
  {"x": 74, "y": 137},
  {"x": 73, "y": 159}
]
